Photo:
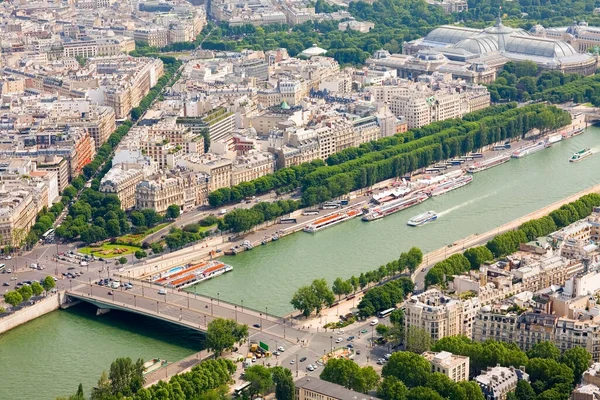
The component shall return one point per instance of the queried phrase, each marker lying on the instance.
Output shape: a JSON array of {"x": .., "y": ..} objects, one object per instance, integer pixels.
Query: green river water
[
  {"x": 48, "y": 357},
  {"x": 268, "y": 275}
]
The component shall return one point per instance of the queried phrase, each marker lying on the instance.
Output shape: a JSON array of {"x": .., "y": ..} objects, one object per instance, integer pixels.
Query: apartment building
[
  {"x": 17, "y": 215},
  {"x": 122, "y": 180},
  {"x": 252, "y": 166},
  {"x": 153, "y": 37},
  {"x": 220, "y": 169},
  {"x": 158, "y": 194},
  {"x": 440, "y": 315},
  {"x": 56, "y": 164},
  {"x": 528, "y": 329},
  {"x": 453, "y": 366},
  {"x": 98, "y": 121},
  {"x": 497, "y": 382}
]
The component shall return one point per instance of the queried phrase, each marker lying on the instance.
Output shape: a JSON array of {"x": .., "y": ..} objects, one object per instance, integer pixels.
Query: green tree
[
  {"x": 417, "y": 340},
  {"x": 260, "y": 378},
  {"x": 122, "y": 260},
  {"x": 48, "y": 283},
  {"x": 284, "y": 384},
  {"x": 137, "y": 218},
  {"x": 312, "y": 298},
  {"x": 578, "y": 359},
  {"x": 524, "y": 391},
  {"x": 26, "y": 292},
  {"x": 222, "y": 334},
  {"x": 103, "y": 389},
  {"x": 13, "y": 298},
  {"x": 173, "y": 211},
  {"x": 350, "y": 375},
  {"x": 125, "y": 376},
  {"x": 139, "y": 254},
  {"x": 37, "y": 288},
  {"x": 341, "y": 287},
  {"x": 544, "y": 350},
  {"x": 421, "y": 393},
  {"x": 392, "y": 388},
  {"x": 412, "y": 369}
]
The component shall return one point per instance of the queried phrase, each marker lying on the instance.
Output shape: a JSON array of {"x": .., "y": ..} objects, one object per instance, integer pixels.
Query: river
[
  {"x": 268, "y": 275},
  {"x": 50, "y": 356}
]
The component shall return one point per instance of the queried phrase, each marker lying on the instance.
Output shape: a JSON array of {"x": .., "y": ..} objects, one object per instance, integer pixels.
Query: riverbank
[{"x": 29, "y": 313}]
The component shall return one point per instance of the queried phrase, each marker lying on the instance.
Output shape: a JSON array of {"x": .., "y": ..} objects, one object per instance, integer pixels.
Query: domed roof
[
  {"x": 479, "y": 45},
  {"x": 537, "y": 29},
  {"x": 500, "y": 32},
  {"x": 499, "y": 28},
  {"x": 314, "y": 51},
  {"x": 449, "y": 34},
  {"x": 539, "y": 47},
  {"x": 486, "y": 309},
  {"x": 425, "y": 55}
]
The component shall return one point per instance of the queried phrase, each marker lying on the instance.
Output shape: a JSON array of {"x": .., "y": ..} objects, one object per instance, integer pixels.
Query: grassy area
[
  {"x": 206, "y": 228},
  {"x": 587, "y": 105},
  {"x": 109, "y": 250},
  {"x": 136, "y": 239}
]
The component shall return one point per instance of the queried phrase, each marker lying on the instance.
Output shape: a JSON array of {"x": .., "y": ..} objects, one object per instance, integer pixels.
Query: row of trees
[
  {"x": 388, "y": 159},
  {"x": 509, "y": 242},
  {"x": 551, "y": 373},
  {"x": 125, "y": 379},
  {"x": 312, "y": 298},
  {"x": 25, "y": 292},
  {"x": 282, "y": 180}
]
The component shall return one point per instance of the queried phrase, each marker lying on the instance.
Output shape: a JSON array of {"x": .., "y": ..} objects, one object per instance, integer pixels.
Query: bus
[
  {"x": 385, "y": 313},
  {"x": 238, "y": 391},
  {"x": 310, "y": 212},
  {"x": 328, "y": 205},
  {"x": 48, "y": 234},
  {"x": 287, "y": 221}
]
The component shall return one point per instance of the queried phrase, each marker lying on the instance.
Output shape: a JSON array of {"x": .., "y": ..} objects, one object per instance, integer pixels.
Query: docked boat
[
  {"x": 197, "y": 273},
  {"x": 422, "y": 219},
  {"x": 153, "y": 365},
  {"x": 530, "y": 149},
  {"x": 380, "y": 211},
  {"x": 557, "y": 137},
  {"x": 489, "y": 163},
  {"x": 580, "y": 155},
  {"x": 451, "y": 184},
  {"x": 330, "y": 220}
]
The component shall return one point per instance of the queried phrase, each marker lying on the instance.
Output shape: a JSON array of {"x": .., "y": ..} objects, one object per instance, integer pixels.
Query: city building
[
  {"x": 313, "y": 388},
  {"x": 497, "y": 382},
  {"x": 455, "y": 367},
  {"x": 122, "y": 180},
  {"x": 440, "y": 315}
]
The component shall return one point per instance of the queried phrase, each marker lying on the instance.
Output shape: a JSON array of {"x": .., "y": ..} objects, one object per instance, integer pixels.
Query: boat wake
[{"x": 456, "y": 207}]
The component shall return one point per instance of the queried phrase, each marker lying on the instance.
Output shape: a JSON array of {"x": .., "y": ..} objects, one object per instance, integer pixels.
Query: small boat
[
  {"x": 580, "y": 155},
  {"x": 422, "y": 219},
  {"x": 153, "y": 365}
]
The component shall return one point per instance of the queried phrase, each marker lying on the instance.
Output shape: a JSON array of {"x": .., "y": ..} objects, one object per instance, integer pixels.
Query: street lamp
[
  {"x": 134, "y": 301},
  {"x": 205, "y": 320},
  {"x": 218, "y": 299},
  {"x": 158, "y": 312},
  {"x": 242, "y": 305},
  {"x": 331, "y": 343},
  {"x": 235, "y": 313},
  {"x": 260, "y": 324},
  {"x": 70, "y": 284}
]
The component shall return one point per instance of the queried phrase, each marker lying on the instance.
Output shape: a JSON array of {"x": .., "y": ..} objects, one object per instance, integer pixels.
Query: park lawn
[
  {"x": 136, "y": 239},
  {"x": 206, "y": 228},
  {"x": 108, "y": 250}
]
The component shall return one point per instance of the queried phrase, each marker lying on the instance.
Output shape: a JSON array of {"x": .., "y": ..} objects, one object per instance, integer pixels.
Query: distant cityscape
[{"x": 120, "y": 123}]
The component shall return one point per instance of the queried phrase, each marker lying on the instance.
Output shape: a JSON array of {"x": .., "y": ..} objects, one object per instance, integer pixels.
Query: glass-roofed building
[{"x": 476, "y": 55}]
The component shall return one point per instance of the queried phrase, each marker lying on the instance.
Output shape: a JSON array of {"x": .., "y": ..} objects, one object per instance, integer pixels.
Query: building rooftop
[{"x": 330, "y": 390}]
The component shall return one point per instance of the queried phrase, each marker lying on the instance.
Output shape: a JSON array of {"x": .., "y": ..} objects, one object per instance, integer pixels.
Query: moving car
[
  {"x": 162, "y": 291},
  {"x": 374, "y": 322},
  {"x": 256, "y": 326},
  {"x": 280, "y": 348},
  {"x": 339, "y": 340},
  {"x": 303, "y": 359}
]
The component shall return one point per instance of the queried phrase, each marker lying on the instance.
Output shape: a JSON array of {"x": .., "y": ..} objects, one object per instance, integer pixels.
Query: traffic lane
[{"x": 188, "y": 302}]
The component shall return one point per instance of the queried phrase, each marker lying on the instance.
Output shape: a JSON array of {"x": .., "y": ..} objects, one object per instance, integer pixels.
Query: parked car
[
  {"x": 303, "y": 359},
  {"x": 339, "y": 340},
  {"x": 257, "y": 326},
  {"x": 350, "y": 346},
  {"x": 280, "y": 348},
  {"x": 162, "y": 291},
  {"x": 350, "y": 338},
  {"x": 6, "y": 284}
]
